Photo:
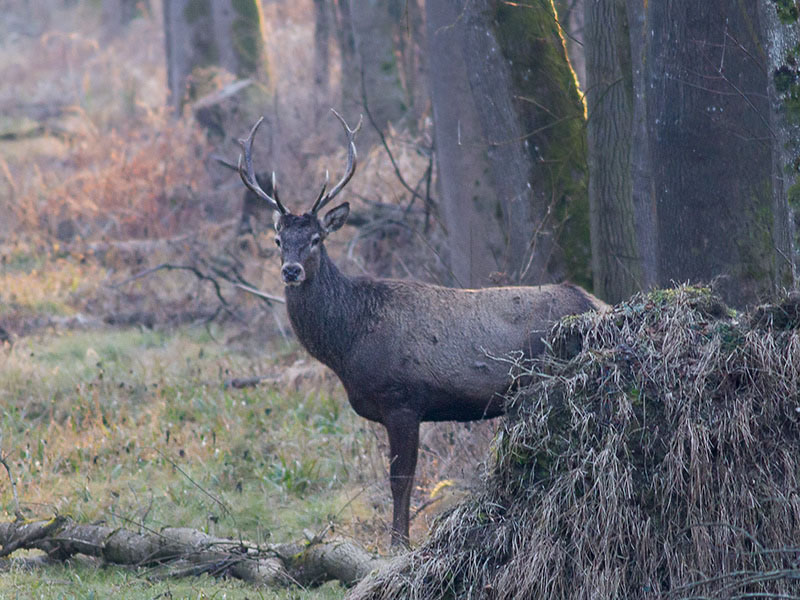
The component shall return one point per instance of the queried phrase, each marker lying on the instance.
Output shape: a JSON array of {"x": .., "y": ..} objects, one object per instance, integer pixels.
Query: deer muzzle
[{"x": 293, "y": 274}]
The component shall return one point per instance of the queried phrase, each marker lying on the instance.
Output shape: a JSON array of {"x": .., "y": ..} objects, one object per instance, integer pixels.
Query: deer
[{"x": 406, "y": 352}]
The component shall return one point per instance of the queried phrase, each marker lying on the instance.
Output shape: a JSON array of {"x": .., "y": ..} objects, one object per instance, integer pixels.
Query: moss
[
  {"x": 787, "y": 11},
  {"x": 794, "y": 196},
  {"x": 248, "y": 40},
  {"x": 532, "y": 42},
  {"x": 756, "y": 253}
]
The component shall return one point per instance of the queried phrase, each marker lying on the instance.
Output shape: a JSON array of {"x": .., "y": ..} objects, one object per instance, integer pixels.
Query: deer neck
[{"x": 327, "y": 313}]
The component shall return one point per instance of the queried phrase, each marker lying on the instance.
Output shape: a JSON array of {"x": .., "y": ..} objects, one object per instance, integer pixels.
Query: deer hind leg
[{"x": 403, "y": 430}]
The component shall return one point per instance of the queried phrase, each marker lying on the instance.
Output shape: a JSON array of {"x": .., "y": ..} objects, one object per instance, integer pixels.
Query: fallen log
[{"x": 191, "y": 552}]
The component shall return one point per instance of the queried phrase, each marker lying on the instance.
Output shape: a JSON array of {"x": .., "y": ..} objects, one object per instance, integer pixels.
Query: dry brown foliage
[{"x": 654, "y": 452}]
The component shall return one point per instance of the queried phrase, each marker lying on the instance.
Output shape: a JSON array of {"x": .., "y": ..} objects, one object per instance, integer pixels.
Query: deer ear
[
  {"x": 276, "y": 220},
  {"x": 336, "y": 217}
]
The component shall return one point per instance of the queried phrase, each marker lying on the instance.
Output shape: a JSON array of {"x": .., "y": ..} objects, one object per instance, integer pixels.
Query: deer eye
[
  {"x": 278, "y": 242},
  {"x": 315, "y": 241}
]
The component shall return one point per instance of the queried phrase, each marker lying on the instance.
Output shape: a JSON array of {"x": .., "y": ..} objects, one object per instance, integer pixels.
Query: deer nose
[{"x": 293, "y": 273}]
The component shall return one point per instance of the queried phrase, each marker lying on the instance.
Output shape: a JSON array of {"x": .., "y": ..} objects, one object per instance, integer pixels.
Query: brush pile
[{"x": 654, "y": 452}]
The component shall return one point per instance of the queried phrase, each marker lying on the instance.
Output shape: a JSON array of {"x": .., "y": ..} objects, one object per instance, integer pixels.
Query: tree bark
[
  {"x": 683, "y": 164},
  {"x": 781, "y": 35},
  {"x": 708, "y": 130},
  {"x": 531, "y": 130},
  {"x": 192, "y": 552},
  {"x": 616, "y": 262},
  {"x": 468, "y": 201}
]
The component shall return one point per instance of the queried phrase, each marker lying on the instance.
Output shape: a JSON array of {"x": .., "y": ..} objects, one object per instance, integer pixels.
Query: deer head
[{"x": 300, "y": 237}]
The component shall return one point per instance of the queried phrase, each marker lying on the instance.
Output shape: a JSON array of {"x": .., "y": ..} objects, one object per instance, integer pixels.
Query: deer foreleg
[{"x": 403, "y": 430}]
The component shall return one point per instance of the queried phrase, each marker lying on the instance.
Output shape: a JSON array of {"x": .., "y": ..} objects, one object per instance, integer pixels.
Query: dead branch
[
  {"x": 244, "y": 382},
  {"x": 184, "y": 551}
]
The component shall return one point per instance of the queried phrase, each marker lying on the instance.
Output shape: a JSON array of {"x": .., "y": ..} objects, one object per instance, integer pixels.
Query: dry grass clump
[{"x": 654, "y": 452}]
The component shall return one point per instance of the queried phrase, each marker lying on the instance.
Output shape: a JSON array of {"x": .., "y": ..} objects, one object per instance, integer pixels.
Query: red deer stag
[{"x": 405, "y": 351}]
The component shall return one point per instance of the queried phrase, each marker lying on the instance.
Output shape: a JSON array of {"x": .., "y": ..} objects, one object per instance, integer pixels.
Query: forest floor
[
  {"x": 135, "y": 427},
  {"x": 114, "y": 406}
]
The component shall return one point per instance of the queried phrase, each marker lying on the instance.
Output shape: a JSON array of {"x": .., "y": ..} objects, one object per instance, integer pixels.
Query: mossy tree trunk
[
  {"x": 531, "y": 183},
  {"x": 780, "y": 30},
  {"x": 682, "y": 148},
  {"x": 206, "y": 34}
]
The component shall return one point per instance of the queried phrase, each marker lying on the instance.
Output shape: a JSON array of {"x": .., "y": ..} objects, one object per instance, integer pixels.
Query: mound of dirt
[{"x": 653, "y": 452}]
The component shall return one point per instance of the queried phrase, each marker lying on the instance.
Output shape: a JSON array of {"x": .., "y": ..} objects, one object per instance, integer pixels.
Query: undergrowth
[{"x": 653, "y": 452}]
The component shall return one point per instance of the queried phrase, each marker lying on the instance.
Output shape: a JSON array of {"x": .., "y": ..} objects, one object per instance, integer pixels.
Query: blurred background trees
[{"x": 610, "y": 143}]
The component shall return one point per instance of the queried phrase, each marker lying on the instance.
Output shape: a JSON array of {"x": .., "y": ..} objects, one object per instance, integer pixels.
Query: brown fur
[{"x": 406, "y": 351}]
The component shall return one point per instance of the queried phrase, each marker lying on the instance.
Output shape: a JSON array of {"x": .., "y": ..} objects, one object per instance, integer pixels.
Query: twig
[
  {"x": 259, "y": 293},
  {"x": 197, "y": 485},
  {"x": 170, "y": 267},
  {"x": 4, "y": 462},
  {"x": 400, "y": 177}
]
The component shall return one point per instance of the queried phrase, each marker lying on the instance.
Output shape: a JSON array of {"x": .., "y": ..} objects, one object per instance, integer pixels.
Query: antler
[
  {"x": 324, "y": 198},
  {"x": 249, "y": 176}
]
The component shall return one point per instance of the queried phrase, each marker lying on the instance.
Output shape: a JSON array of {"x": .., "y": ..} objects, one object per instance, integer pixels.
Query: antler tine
[
  {"x": 248, "y": 175},
  {"x": 351, "y": 163}
]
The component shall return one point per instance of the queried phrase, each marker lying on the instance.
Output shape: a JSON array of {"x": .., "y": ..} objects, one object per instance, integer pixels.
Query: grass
[
  {"x": 86, "y": 582},
  {"x": 134, "y": 428}
]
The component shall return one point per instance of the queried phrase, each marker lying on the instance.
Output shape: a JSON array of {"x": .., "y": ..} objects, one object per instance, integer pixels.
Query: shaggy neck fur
[{"x": 330, "y": 312}]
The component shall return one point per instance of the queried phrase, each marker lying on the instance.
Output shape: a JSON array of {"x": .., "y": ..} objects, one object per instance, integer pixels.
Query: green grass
[
  {"x": 134, "y": 428},
  {"x": 78, "y": 581}
]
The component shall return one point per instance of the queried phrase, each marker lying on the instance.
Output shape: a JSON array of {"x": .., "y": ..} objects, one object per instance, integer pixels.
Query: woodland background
[{"x": 619, "y": 145}]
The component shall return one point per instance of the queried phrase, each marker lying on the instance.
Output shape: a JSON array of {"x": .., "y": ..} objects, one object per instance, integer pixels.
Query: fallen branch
[
  {"x": 244, "y": 382},
  {"x": 186, "y": 551}
]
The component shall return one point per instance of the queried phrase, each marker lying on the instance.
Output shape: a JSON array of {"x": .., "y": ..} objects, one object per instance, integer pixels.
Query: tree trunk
[
  {"x": 225, "y": 34},
  {"x": 683, "y": 160},
  {"x": 642, "y": 181},
  {"x": 409, "y": 25},
  {"x": 350, "y": 82},
  {"x": 468, "y": 201},
  {"x": 616, "y": 262},
  {"x": 191, "y": 552},
  {"x": 380, "y": 86},
  {"x": 781, "y": 34},
  {"x": 708, "y": 132},
  {"x": 322, "y": 33},
  {"x": 531, "y": 125}
]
